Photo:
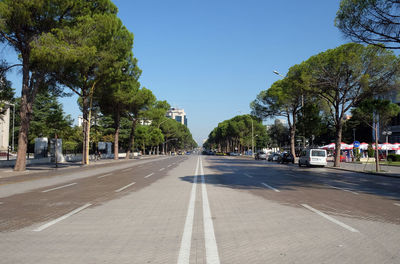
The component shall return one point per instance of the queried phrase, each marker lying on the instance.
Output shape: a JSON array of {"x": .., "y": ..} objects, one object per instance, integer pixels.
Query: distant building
[
  {"x": 5, "y": 129},
  {"x": 178, "y": 115},
  {"x": 145, "y": 122}
]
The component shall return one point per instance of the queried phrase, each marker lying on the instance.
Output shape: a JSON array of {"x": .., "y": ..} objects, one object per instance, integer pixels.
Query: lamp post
[
  {"x": 386, "y": 133},
  {"x": 158, "y": 146}
]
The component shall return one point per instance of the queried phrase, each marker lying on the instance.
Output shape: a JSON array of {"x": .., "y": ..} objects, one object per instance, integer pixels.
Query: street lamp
[
  {"x": 386, "y": 133},
  {"x": 277, "y": 73},
  {"x": 158, "y": 146}
]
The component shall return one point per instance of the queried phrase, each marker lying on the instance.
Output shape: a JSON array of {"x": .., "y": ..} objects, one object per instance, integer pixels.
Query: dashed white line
[
  {"x": 56, "y": 188},
  {"x": 161, "y": 169},
  {"x": 105, "y": 175},
  {"x": 151, "y": 174},
  {"x": 397, "y": 204},
  {"x": 169, "y": 165},
  {"x": 126, "y": 170},
  {"x": 127, "y": 186},
  {"x": 248, "y": 175},
  {"x": 270, "y": 187},
  {"x": 346, "y": 190},
  {"x": 40, "y": 228},
  {"x": 184, "y": 251},
  {"x": 209, "y": 234},
  {"x": 333, "y": 220}
]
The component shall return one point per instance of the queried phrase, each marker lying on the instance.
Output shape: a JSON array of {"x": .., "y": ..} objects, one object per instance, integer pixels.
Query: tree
[
  {"x": 141, "y": 102},
  {"x": 6, "y": 93},
  {"x": 83, "y": 55},
  {"x": 22, "y": 22},
  {"x": 346, "y": 75},
  {"x": 375, "y": 112},
  {"x": 374, "y": 22},
  {"x": 118, "y": 93},
  {"x": 284, "y": 98}
]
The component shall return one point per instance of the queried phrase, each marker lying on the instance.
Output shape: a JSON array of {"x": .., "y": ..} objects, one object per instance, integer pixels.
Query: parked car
[
  {"x": 273, "y": 157},
  {"x": 286, "y": 158},
  {"x": 313, "y": 157},
  {"x": 261, "y": 155}
]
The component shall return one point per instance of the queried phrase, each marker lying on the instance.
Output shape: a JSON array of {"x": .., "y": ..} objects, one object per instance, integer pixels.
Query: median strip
[
  {"x": 127, "y": 186},
  {"x": 60, "y": 187},
  {"x": 333, "y": 220},
  {"x": 270, "y": 187},
  {"x": 40, "y": 228}
]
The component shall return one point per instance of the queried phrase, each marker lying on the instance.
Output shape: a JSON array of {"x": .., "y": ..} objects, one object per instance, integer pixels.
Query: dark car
[{"x": 286, "y": 158}]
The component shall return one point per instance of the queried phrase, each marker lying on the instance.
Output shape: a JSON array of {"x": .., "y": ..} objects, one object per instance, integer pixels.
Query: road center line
[
  {"x": 248, "y": 175},
  {"x": 333, "y": 220},
  {"x": 270, "y": 187},
  {"x": 56, "y": 188},
  {"x": 105, "y": 175},
  {"x": 184, "y": 251},
  {"x": 209, "y": 234},
  {"x": 42, "y": 227},
  {"x": 151, "y": 174},
  {"x": 123, "y": 188},
  {"x": 346, "y": 190},
  {"x": 161, "y": 169}
]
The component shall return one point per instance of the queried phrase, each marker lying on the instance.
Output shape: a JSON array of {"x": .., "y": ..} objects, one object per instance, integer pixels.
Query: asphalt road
[{"x": 199, "y": 209}]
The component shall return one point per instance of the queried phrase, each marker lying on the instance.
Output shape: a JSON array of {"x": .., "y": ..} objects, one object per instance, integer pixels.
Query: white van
[{"x": 313, "y": 157}]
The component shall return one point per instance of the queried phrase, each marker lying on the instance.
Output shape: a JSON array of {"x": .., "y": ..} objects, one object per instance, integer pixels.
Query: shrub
[{"x": 393, "y": 157}]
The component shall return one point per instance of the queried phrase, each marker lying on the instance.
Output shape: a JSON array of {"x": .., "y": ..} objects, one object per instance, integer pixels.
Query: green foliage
[
  {"x": 370, "y": 21},
  {"x": 393, "y": 157},
  {"x": 371, "y": 151},
  {"x": 368, "y": 109},
  {"x": 236, "y": 134},
  {"x": 6, "y": 93}
]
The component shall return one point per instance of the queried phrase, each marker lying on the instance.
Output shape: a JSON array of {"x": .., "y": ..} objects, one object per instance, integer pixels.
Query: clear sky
[{"x": 212, "y": 58}]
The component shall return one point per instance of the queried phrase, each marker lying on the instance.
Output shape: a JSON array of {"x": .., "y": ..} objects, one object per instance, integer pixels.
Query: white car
[{"x": 313, "y": 157}]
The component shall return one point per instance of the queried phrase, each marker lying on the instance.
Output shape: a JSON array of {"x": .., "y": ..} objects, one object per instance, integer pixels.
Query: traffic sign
[{"x": 356, "y": 144}]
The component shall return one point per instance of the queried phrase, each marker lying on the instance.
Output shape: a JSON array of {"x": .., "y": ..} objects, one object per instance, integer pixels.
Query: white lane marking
[
  {"x": 397, "y": 204},
  {"x": 55, "y": 221},
  {"x": 161, "y": 169},
  {"x": 56, "y": 188},
  {"x": 151, "y": 174},
  {"x": 346, "y": 190},
  {"x": 333, "y": 220},
  {"x": 184, "y": 251},
  {"x": 169, "y": 165},
  {"x": 127, "y": 186},
  {"x": 105, "y": 175},
  {"x": 248, "y": 175},
  {"x": 270, "y": 187},
  {"x": 128, "y": 169},
  {"x": 209, "y": 235}
]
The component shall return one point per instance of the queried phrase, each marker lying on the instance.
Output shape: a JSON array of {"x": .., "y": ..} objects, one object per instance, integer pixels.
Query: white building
[
  {"x": 178, "y": 115},
  {"x": 5, "y": 129},
  {"x": 80, "y": 121}
]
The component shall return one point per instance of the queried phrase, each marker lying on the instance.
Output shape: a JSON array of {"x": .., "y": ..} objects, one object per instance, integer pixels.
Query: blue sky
[{"x": 212, "y": 58}]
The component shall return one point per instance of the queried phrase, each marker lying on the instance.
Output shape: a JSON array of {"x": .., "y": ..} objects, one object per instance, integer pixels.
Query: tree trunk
[
  {"x": 86, "y": 130},
  {"x": 377, "y": 166},
  {"x": 131, "y": 139},
  {"x": 117, "y": 119},
  {"x": 292, "y": 141},
  {"x": 27, "y": 99},
  {"x": 338, "y": 140}
]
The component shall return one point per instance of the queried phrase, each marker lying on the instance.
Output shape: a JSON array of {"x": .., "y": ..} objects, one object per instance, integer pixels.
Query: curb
[{"x": 366, "y": 172}]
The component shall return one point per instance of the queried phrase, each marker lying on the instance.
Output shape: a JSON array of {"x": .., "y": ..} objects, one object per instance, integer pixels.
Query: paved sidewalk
[
  {"x": 386, "y": 170},
  {"x": 6, "y": 172}
]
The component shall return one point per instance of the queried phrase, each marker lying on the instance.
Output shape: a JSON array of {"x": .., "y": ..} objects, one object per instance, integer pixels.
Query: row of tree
[
  {"x": 237, "y": 135},
  {"x": 81, "y": 47}
]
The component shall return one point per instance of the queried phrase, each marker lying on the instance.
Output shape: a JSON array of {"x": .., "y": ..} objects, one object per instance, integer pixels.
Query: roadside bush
[
  {"x": 371, "y": 151},
  {"x": 393, "y": 157}
]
